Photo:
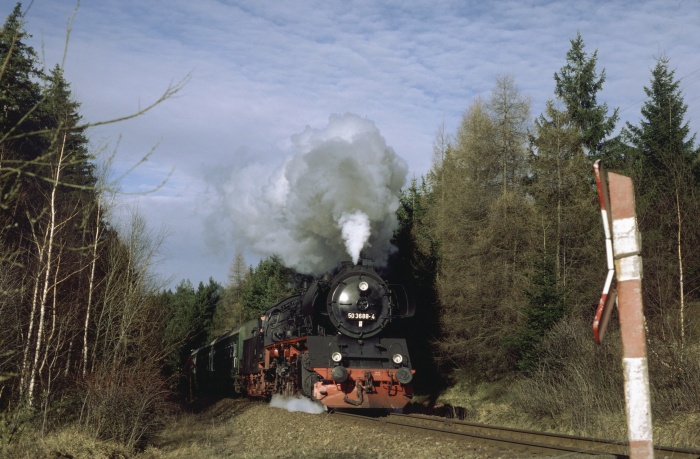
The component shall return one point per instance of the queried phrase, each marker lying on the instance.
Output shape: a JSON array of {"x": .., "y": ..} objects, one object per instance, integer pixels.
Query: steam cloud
[
  {"x": 334, "y": 198},
  {"x": 356, "y": 230},
  {"x": 293, "y": 404}
]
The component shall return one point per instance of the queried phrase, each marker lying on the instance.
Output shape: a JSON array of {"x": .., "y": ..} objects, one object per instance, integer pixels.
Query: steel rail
[{"x": 524, "y": 440}]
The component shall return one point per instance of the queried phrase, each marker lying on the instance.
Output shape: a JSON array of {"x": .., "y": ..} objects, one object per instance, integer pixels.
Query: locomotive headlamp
[
  {"x": 336, "y": 357},
  {"x": 364, "y": 286},
  {"x": 397, "y": 359}
]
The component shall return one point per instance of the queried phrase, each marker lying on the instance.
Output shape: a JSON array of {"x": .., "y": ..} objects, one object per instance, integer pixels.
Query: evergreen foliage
[
  {"x": 82, "y": 331},
  {"x": 565, "y": 141},
  {"x": 417, "y": 256},
  {"x": 20, "y": 96},
  {"x": 665, "y": 173},
  {"x": 190, "y": 318},
  {"x": 21, "y": 93},
  {"x": 666, "y": 155},
  {"x": 546, "y": 307},
  {"x": 270, "y": 281},
  {"x": 414, "y": 265},
  {"x": 577, "y": 85}
]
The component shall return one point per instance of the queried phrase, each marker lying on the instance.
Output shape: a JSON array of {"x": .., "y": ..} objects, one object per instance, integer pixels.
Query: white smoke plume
[
  {"x": 293, "y": 404},
  {"x": 335, "y": 197},
  {"x": 355, "y": 230}
]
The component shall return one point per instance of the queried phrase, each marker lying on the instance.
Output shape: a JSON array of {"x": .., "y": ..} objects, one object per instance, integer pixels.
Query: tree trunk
[
  {"x": 680, "y": 268},
  {"x": 91, "y": 287},
  {"x": 50, "y": 232}
]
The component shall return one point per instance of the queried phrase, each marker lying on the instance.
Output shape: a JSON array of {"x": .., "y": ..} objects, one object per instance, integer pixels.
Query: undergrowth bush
[
  {"x": 674, "y": 372},
  {"x": 126, "y": 405},
  {"x": 111, "y": 415},
  {"x": 577, "y": 386}
]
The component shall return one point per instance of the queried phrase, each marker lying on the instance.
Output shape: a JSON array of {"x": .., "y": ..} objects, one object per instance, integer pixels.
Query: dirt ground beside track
[{"x": 240, "y": 428}]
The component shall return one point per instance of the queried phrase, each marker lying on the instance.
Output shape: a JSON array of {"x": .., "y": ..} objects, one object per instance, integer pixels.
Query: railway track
[{"x": 522, "y": 442}]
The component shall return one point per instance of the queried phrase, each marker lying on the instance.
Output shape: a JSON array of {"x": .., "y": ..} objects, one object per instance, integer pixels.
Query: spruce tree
[
  {"x": 546, "y": 307},
  {"x": 662, "y": 137},
  {"x": 19, "y": 79},
  {"x": 667, "y": 205},
  {"x": 20, "y": 97},
  {"x": 270, "y": 282},
  {"x": 63, "y": 120},
  {"x": 565, "y": 139},
  {"x": 577, "y": 85}
]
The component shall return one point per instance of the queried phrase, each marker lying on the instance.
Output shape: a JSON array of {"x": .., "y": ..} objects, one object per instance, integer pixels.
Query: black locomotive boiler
[{"x": 329, "y": 342}]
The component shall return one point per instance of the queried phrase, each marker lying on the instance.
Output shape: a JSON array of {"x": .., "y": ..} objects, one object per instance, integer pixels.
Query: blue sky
[{"x": 260, "y": 73}]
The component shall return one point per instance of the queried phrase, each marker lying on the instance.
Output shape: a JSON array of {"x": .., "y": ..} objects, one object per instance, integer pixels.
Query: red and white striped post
[
  {"x": 609, "y": 296},
  {"x": 626, "y": 242}
]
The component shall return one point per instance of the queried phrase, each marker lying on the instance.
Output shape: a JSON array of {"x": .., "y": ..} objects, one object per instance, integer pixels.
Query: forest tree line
[
  {"x": 83, "y": 332},
  {"x": 507, "y": 226},
  {"x": 502, "y": 240}
]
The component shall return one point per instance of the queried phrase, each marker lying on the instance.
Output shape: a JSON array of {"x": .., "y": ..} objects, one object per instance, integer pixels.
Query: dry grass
[
  {"x": 187, "y": 435},
  {"x": 204, "y": 435},
  {"x": 579, "y": 390},
  {"x": 66, "y": 443},
  {"x": 242, "y": 429}
]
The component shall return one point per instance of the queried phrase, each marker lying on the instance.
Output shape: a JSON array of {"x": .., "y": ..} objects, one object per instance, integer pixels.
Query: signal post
[{"x": 623, "y": 248}]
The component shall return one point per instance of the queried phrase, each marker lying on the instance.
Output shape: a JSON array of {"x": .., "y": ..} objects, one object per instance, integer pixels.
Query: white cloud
[{"x": 262, "y": 71}]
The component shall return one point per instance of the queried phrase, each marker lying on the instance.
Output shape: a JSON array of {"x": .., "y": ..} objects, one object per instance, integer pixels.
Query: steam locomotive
[{"x": 326, "y": 342}]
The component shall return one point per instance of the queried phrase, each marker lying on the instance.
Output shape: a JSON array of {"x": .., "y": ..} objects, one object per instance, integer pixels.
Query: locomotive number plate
[{"x": 361, "y": 316}]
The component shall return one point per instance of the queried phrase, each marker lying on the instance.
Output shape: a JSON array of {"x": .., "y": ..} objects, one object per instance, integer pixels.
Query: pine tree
[
  {"x": 577, "y": 85},
  {"x": 20, "y": 116},
  {"x": 668, "y": 195},
  {"x": 270, "y": 282},
  {"x": 546, "y": 307},
  {"x": 662, "y": 137},
  {"x": 62, "y": 117},
  {"x": 19, "y": 75}
]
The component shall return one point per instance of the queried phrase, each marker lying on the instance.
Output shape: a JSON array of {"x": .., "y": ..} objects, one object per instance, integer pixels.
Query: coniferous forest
[{"x": 502, "y": 240}]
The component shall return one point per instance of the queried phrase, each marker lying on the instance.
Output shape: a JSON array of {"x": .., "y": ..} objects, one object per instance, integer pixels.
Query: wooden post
[{"x": 628, "y": 269}]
